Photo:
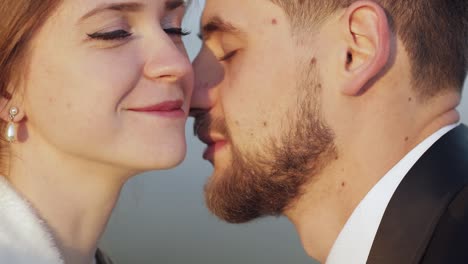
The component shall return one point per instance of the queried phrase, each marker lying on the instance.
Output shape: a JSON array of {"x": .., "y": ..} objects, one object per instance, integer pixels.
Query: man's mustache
[{"x": 206, "y": 124}]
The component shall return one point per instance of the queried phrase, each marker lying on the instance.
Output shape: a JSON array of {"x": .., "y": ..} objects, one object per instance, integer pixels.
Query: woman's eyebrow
[
  {"x": 124, "y": 7},
  {"x": 129, "y": 7}
]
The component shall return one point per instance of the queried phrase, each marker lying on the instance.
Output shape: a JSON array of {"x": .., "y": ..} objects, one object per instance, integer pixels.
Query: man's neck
[
  {"x": 332, "y": 196},
  {"x": 323, "y": 209}
]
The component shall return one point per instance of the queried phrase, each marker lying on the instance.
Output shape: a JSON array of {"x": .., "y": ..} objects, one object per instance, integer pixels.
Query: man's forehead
[
  {"x": 238, "y": 15},
  {"x": 218, "y": 12}
]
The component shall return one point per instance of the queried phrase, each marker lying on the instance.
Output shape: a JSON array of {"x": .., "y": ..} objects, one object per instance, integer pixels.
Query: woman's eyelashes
[
  {"x": 112, "y": 35},
  {"x": 177, "y": 31},
  {"x": 123, "y": 34}
]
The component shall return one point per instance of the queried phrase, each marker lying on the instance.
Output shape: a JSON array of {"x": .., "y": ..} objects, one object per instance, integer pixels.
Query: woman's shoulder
[{"x": 24, "y": 236}]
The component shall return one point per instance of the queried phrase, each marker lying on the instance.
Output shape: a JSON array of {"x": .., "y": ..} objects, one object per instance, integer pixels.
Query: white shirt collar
[{"x": 355, "y": 240}]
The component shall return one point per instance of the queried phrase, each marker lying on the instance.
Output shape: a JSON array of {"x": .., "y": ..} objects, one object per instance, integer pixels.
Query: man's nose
[{"x": 209, "y": 75}]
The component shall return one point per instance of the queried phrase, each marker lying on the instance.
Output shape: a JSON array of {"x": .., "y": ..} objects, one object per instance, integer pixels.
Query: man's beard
[{"x": 268, "y": 180}]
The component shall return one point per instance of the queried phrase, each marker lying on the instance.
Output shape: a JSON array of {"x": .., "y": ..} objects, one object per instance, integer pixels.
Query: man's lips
[
  {"x": 167, "y": 108},
  {"x": 212, "y": 148},
  {"x": 214, "y": 144}
]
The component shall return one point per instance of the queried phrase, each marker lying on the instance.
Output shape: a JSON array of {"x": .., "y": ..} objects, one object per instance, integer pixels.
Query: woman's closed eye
[
  {"x": 121, "y": 34},
  {"x": 111, "y": 36}
]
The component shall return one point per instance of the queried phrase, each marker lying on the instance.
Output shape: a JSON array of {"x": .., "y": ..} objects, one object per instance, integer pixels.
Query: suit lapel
[{"x": 420, "y": 200}]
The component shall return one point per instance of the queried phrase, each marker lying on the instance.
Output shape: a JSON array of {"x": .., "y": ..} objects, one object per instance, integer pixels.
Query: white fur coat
[{"x": 24, "y": 238}]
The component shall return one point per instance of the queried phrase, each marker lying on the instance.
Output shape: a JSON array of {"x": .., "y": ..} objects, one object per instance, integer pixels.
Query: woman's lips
[{"x": 165, "y": 109}]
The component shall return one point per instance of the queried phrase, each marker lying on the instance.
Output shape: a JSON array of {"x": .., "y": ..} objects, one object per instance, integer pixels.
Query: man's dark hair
[{"x": 434, "y": 33}]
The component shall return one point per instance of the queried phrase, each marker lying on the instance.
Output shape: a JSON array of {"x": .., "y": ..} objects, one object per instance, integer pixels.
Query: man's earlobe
[{"x": 368, "y": 37}]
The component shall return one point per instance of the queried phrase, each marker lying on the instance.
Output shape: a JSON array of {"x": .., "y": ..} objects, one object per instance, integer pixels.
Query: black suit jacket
[{"x": 426, "y": 220}]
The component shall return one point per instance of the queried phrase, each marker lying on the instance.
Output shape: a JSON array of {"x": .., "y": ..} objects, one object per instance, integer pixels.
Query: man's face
[{"x": 257, "y": 107}]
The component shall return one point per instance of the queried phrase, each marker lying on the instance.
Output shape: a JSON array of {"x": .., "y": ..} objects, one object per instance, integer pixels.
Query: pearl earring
[{"x": 11, "y": 128}]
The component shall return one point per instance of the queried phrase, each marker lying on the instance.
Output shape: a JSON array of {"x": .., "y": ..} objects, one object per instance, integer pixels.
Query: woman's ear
[
  {"x": 6, "y": 106},
  {"x": 367, "y": 35}
]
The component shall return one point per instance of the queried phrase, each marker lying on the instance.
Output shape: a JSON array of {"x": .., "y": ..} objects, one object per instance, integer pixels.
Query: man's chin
[
  {"x": 229, "y": 214},
  {"x": 235, "y": 197}
]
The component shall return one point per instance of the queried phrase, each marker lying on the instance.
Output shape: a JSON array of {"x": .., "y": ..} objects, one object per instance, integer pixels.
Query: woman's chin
[{"x": 163, "y": 158}]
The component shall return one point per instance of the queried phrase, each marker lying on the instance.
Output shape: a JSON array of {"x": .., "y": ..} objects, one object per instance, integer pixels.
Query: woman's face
[{"x": 109, "y": 81}]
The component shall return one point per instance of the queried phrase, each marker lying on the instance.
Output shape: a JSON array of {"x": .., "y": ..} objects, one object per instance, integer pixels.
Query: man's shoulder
[
  {"x": 448, "y": 157},
  {"x": 429, "y": 207},
  {"x": 449, "y": 243}
]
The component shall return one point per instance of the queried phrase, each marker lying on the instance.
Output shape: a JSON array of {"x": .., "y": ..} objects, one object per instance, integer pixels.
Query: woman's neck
[{"x": 74, "y": 197}]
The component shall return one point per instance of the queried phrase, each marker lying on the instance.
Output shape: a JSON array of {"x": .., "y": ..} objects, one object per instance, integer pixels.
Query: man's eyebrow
[{"x": 216, "y": 24}]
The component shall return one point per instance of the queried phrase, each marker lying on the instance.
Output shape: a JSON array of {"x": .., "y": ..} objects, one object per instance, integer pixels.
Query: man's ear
[{"x": 367, "y": 35}]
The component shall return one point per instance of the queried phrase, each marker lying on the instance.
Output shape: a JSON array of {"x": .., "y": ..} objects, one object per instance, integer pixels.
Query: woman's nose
[{"x": 167, "y": 61}]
